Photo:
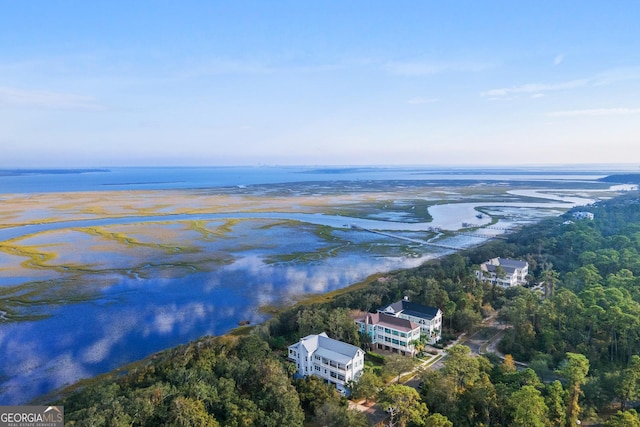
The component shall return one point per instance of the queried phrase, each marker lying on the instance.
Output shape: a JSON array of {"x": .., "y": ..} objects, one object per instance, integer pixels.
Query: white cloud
[
  {"x": 536, "y": 88},
  {"x": 537, "y": 95},
  {"x": 48, "y": 100},
  {"x": 615, "y": 75},
  {"x": 596, "y": 112},
  {"x": 607, "y": 77},
  {"x": 558, "y": 59},
  {"x": 421, "y": 100}
]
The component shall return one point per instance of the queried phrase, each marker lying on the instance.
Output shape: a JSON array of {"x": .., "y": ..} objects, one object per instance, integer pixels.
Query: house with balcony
[
  {"x": 389, "y": 332},
  {"x": 334, "y": 361},
  {"x": 429, "y": 318},
  {"x": 504, "y": 272}
]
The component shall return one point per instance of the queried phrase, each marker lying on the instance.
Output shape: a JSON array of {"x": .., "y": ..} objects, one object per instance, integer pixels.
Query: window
[
  {"x": 403, "y": 335},
  {"x": 317, "y": 368},
  {"x": 403, "y": 343},
  {"x": 394, "y": 341},
  {"x": 387, "y": 330},
  {"x": 316, "y": 357},
  {"x": 395, "y": 333}
]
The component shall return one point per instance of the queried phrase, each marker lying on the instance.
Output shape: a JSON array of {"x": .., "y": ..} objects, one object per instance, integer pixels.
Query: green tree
[
  {"x": 449, "y": 310},
  {"x": 439, "y": 392},
  {"x": 555, "y": 401},
  {"x": 277, "y": 397},
  {"x": 624, "y": 419},
  {"x": 332, "y": 414},
  {"x": 467, "y": 319},
  {"x": 529, "y": 409},
  {"x": 477, "y": 402},
  {"x": 628, "y": 387},
  {"x": 461, "y": 367},
  {"x": 311, "y": 321},
  {"x": 340, "y": 326},
  {"x": 395, "y": 365},
  {"x": 437, "y": 420},
  {"x": 368, "y": 386},
  {"x": 404, "y": 405},
  {"x": 187, "y": 412},
  {"x": 574, "y": 369},
  {"x": 550, "y": 278},
  {"x": 313, "y": 393}
]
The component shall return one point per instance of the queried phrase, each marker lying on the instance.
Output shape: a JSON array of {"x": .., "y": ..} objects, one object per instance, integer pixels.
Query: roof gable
[
  {"x": 321, "y": 342},
  {"x": 338, "y": 347}
]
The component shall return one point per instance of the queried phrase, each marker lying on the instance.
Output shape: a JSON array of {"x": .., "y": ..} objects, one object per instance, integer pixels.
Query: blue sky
[{"x": 110, "y": 83}]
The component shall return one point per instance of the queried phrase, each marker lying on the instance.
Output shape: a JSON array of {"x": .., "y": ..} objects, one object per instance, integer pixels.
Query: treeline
[
  {"x": 581, "y": 337},
  {"x": 214, "y": 381},
  {"x": 591, "y": 271}
]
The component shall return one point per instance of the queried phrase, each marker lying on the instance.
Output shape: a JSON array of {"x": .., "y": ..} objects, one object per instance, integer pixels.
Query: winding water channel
[{"x": 448, "y": 216}]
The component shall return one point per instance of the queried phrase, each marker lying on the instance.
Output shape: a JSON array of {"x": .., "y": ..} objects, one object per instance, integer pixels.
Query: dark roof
[
  {"x": 512, "y": 263},
  {"x": 386, "y": 319},
  {"x": 413, "y": 309}
]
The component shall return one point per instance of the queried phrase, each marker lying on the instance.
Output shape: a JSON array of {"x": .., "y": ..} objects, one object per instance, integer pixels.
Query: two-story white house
[
  {"x": 334, "y": 361},
  {"x": 515, "y": 272},
  {"x": 583, "y": 215},
  {"x": 389, "y": 332},
  {"x": 429, "y": 318}
]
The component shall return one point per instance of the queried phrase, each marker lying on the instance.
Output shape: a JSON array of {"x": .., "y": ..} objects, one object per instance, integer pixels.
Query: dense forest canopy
[{"x": 579, "y": 335}]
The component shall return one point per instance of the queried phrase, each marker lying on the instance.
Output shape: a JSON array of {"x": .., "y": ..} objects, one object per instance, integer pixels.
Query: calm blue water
[{"x": 178, "y": 178}]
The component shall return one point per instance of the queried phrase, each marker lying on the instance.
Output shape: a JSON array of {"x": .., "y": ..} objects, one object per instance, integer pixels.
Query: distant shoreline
[{"x": 19, "y": 172}]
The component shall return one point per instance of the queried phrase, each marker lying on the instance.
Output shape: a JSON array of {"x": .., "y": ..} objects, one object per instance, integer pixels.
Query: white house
[
  {"x": 390, "y": 332},
  {"x": 583, "y": 215},
  {"x": 429, "y": 318},
  {"x": 515, "y": 272},
  {"x": 334, "y": 361}
]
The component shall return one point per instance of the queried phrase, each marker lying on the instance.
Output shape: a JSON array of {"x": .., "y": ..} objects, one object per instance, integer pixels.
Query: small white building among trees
[
  {"x": 504, "y": 272},
  {"x": 334, "y": 361}
]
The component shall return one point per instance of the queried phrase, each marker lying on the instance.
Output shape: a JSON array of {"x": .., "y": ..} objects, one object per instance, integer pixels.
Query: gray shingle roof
[
  {"x": 330, "y": 348},
  {"x": 512, "y": 263},
  {"x": 412, "y": 309}
]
